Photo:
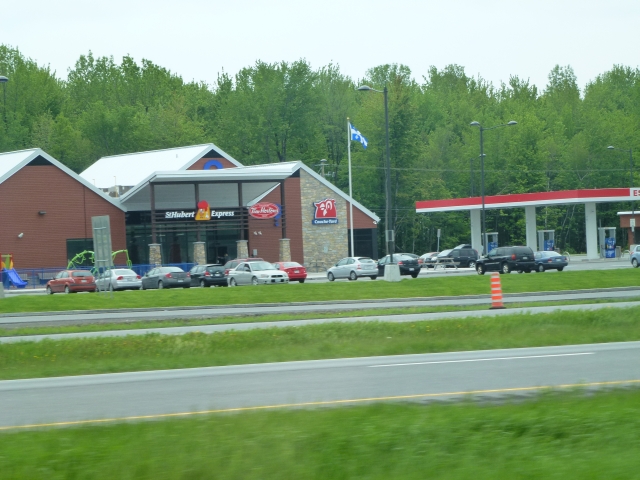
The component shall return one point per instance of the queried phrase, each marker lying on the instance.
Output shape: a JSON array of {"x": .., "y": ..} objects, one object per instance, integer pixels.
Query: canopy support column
[
  {"x": 476, "y": 230},
  {"x": 531, "y": 228},
  {"x": 591, "y": 230}
]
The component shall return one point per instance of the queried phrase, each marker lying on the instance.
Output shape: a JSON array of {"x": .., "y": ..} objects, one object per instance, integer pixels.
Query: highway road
[
  {"x": 66, "y": 318},
  {"x": 443, "y": 376}
]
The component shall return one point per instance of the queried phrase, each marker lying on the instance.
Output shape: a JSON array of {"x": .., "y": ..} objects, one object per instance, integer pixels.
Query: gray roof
[
  {"x": 133, "y": 168},
  {"x": 12, "y": 162}
]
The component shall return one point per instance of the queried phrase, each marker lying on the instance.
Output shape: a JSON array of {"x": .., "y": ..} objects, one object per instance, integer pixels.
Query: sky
[{"x": 197, "y": 39}]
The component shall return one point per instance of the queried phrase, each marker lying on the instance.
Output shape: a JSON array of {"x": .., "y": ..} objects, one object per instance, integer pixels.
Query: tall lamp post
[
  {"x": 389, "y": 233},
  {"x": 611, "y": 147},
  {"x": 483, "y": 129},
  {"x": 3, "y": 81}
]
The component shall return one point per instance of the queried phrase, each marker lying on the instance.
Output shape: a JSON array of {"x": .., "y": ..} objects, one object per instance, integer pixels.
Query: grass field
[
  {"x": 335, "y": 291},
  {"x": 554, "y": 436},
  {"x": 50, "y": 358}
]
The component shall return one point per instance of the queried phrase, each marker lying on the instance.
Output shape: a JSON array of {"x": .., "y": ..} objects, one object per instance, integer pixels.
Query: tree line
[{"x": 290, "y": 111}]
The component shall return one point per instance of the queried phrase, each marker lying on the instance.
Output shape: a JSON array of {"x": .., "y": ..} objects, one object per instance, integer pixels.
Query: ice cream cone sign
[{"x": 204, "y": 212}]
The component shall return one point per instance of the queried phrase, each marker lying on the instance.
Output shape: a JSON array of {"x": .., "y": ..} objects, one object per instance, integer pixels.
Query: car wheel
[
  {"x": 353, "y": 276},
  {"x": 233, "y": 283},
  {"x": 202, "y": 284},
  {"x": 541, "y": 268},
  {"x": 480, "y": 269},
  {"x": 414, "y": 275},
  {"x": 634, "y": 262},
  {"x": 254, "y": 281},
  {"x": 330, "y": 277},
  {"x": 301, "y": 281},
  {"x": 49, "y": 291},
  {"x": 472, "y": 264},
  {"x": 505, "y": 268},
  {"x": 374, "y": 277},
  {"x": 160, "y": 285},
  {"x": 560, "y": 269},
  {"x": 66, "y": 289}
]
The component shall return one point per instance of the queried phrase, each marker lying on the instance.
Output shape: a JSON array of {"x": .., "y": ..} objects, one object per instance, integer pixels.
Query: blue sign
[
  {"x": 492, "y": 245},
  {"x": 610, "y": 247},
  {"x": 548, "y": 245}
]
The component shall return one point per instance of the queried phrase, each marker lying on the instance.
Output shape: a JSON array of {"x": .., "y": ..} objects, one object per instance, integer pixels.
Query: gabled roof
[
  {"x": 12, "y": 162},
  {"x": 133, "y": 168}
]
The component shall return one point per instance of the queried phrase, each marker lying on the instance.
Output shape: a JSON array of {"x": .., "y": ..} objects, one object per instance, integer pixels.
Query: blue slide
[{"x": 15, "y": 278}]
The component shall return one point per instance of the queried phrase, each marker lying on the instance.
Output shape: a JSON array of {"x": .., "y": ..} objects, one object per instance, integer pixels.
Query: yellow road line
[{"x": 320, "y": 403}]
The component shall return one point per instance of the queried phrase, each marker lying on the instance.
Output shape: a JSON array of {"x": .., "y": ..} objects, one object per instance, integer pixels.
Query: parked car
[
  {"x": 406, "y": 262},
  {"x": 71, "y": 281},
  {"x": 635, "y": 255},
  {"x": 165, "y": 277},
  {"x": 463, "y": 255},
  {"x": 295, "y": 271},
  {"x": 353, "y": 268},
  {"x": 506, "y": 260},
  {"x": 255, "y": 273},
  {"x": 211, "y": 275},
  {"x": 548, "y": 260},
  {"x": 118, "y": 279},
  {"x": 231, "y": 264},
  {"x": 428, "y": 259}
]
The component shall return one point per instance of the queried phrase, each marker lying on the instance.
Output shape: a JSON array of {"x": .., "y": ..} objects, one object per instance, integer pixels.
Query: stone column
[
  {"x": 285, "y": 250},
  {"x": 243, "y": 248},
  {"x": 155, "y": 254},
  {"x": 199, "y": 254}
]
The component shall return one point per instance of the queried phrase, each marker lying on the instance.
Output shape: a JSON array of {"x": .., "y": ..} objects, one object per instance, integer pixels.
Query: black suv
[
  {"x": 507, "y": 259},
  {"x": 463, "y": 255}
]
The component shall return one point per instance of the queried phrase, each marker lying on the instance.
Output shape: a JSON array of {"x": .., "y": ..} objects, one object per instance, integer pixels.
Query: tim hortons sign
[
  {"x": 325, "y": 213},
  {"x": 264, "y": 210}
]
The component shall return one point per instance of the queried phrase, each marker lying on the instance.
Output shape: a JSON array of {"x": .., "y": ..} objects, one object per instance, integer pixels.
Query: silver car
[
  {"x": 118, "y": 279},
  {"x": 353, "y": 268},
  {"x": 255, "y": 273}
]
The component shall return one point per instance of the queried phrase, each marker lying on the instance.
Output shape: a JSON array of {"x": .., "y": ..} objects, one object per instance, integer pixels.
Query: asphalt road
[
  {"x": 170, "y": 393},
  {"x": 414, "y": 317},
  {"x": 64, "y": 318}
]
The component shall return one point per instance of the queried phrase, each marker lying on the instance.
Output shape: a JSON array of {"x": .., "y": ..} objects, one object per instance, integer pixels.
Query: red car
[
  {"x": 293, "y": 269},
  {"x": 72, "y": 281}
]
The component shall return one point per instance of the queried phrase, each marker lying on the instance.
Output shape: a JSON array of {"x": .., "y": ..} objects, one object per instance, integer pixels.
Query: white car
[
  {"x": 118, "y": 279},
  {"x": 255, "y": 273},
  {"x": 353, "y": 268}
]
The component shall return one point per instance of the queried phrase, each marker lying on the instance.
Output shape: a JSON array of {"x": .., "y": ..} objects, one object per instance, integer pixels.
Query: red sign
[
  {"x": 326, "y": 212},
  {"x": 264, "y": 210}
]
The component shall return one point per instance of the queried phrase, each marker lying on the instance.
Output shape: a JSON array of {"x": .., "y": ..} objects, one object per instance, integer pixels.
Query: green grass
[
  {"x": 50, "y": 358},
  {"x": 335, "y": 291},
  {"x": 554, "y": 436},
  {"x": 9, "y": 331}
]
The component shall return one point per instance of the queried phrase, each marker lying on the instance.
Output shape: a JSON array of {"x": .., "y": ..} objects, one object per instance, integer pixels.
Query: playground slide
[{"x": 15, "y": 278}]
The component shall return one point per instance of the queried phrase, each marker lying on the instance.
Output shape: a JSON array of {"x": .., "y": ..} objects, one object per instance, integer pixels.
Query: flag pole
[{"x": 350, "y": 188}]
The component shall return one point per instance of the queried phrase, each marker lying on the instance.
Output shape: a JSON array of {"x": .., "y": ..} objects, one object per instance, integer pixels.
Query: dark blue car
[{"x": 550, "y": 261}]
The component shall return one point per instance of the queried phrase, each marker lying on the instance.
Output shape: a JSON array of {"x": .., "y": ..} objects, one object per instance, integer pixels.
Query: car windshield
[
  {"x": 292, "y": 265},
  {"x": 365, "y": 260},
  {"x": 258, "y": 266},
  {"x": 170, "y": 270},
  {"x": 124, "y": 271},
  {"x": 444, "y": 253},
  {"x": 81, "y": 273}
]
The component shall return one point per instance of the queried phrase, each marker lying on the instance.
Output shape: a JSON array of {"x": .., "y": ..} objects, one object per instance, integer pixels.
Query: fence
[{"x": 38, "y": 277}]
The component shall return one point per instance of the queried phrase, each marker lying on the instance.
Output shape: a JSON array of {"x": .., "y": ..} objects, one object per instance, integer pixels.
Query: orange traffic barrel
[{"x": 496, "y": 291}]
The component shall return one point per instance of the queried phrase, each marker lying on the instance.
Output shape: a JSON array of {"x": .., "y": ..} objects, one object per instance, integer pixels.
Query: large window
[{"x": 79, "y": 245}]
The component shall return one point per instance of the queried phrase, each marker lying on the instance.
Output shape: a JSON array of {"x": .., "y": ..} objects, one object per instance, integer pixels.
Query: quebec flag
[{"x": 357, "y": 136}]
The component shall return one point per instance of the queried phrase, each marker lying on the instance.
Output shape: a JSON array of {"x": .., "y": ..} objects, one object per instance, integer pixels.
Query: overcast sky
[{"x": 199, "y": 38}]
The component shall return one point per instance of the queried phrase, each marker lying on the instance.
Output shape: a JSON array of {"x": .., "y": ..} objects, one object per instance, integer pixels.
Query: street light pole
[
  {"x": 482, "y": 129},
  {"x": 3, "y": 81},
  {"x": 389, "y": 232},
  {"x": 611, "y": 147}
]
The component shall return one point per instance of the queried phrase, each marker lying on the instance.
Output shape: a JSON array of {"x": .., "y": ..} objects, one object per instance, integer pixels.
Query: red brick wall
[
  {"x": 200, "y": 163},
  {"x": 268, "y": 244},
  {"x": 69, "y": 206},
  {"x": 360, "y": 219}
]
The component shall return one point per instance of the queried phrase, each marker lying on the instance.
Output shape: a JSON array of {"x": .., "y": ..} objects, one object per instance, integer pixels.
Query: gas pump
[
  {"x": 491, "y": 240},
  {"x": 546, "y": 240},
  {"x": 607, "y": 237}
]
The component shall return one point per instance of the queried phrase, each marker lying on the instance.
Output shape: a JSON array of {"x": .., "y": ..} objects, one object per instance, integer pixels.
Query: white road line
[{"x": 481, "y": 359}]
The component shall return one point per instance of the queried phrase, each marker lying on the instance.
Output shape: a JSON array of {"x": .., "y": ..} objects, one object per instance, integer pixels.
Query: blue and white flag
[{"x": 357, "y": 136}]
